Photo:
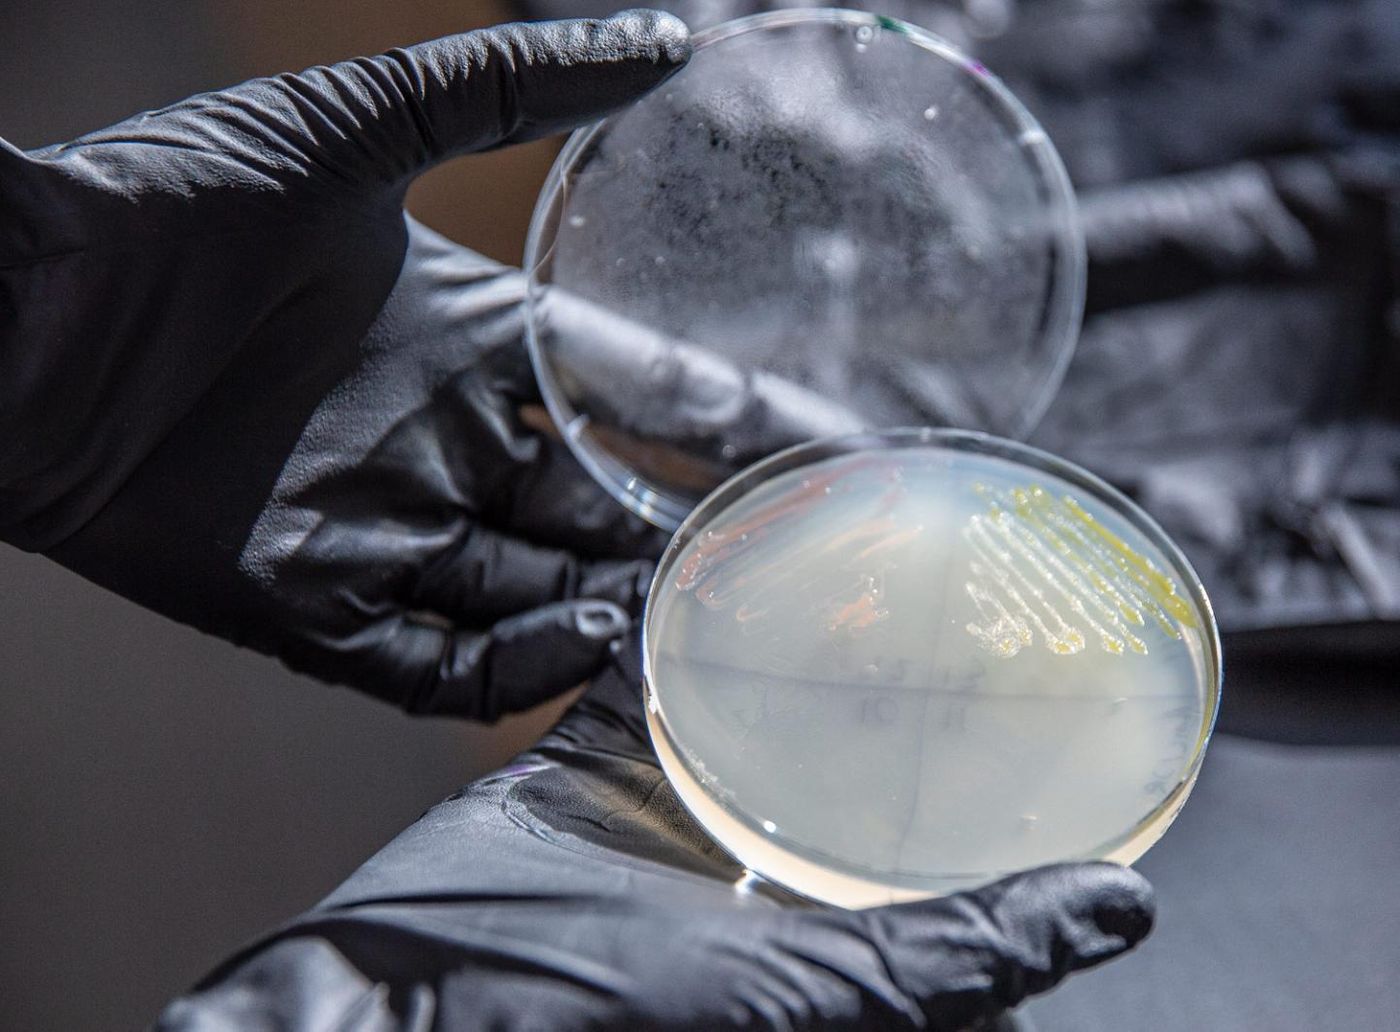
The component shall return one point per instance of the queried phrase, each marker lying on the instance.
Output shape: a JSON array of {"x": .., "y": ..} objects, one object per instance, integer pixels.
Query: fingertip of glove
[
  {"x": 1113, "y": 905},
  {"x": 600, "y": 621},
  {"x": 625, "y": 658},
  {"x": 663, "y": 35},
  {"x": 1123, "y": 905},
  {"x": 624, "y": 583},
  {"x": 529, "y": 658}
]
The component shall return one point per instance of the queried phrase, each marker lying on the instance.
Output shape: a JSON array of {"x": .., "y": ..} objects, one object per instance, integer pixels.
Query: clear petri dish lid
[{"x": 828, "y": 222}]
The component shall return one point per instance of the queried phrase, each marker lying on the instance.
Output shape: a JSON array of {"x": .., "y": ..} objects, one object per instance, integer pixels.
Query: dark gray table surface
[{"x": 1279, "y": 885}]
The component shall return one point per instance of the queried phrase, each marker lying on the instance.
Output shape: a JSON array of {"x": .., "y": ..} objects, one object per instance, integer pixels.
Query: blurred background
[{"x": 166, "y": 796}]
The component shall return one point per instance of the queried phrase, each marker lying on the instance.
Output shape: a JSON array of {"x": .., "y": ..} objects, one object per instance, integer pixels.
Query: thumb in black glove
[
  {"x": 239, "y": 386},
  {"x": 570, "y": 890}
]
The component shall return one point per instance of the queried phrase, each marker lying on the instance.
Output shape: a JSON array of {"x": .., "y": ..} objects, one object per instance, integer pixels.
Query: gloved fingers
[
  {"x": 609, "y": 715},
  {"x": 555, "y": 501},
  {"x": 485, "y": 576},
  {"x": 972, "y": 955},
  {"x": 655, "y": 388},
  {"x": 535, "y": 488},
  {"x": 526, "y": 659},
  {"x": 429, "y": 667},
  {"x": 548, "y": 497},
  {"x": 396, "y": 114},
  {"x": 1173, "y": 234}
]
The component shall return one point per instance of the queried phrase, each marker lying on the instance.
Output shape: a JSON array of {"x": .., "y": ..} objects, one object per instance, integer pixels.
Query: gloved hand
[
  {"x": 570, "y": 890},
  {"x": 240, "y": 387}
]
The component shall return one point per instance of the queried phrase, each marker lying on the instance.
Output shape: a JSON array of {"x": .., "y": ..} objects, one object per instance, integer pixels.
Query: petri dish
[
  {"x": 895, "y": 665},
  {"x": 879, "y": 664},
  {"x": 828, "y": 222}
]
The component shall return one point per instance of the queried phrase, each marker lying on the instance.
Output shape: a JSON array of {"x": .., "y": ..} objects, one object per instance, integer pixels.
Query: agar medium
[{"x": 895, "y": 666}]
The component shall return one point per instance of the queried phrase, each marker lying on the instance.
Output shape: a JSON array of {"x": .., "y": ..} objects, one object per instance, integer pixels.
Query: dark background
[{"x": 163, "y": 795}]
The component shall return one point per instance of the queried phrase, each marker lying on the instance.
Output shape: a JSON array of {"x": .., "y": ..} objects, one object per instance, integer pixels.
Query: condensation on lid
[{"x": 827, "y": 222}]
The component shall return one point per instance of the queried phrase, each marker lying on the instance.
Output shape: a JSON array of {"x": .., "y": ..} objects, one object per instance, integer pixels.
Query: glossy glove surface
[
  {"x": 239, "y": 386},
  {"x": 570, "y": 890}
]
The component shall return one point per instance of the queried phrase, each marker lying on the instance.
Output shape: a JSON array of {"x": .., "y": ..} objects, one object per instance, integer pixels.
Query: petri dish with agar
[
  {"x": 895, "y": 665},
  {"x": 879, "y": 663}
]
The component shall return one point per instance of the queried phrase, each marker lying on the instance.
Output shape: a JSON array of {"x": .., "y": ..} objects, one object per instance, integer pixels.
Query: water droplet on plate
[
  {"x": 930, "y": 112},
  {"x": 577, "y": 221}
]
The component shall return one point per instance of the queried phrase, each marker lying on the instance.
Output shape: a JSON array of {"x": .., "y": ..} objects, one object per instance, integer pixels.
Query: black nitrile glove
[
  {"x": 240, "y": 387},
  {"x": 570, "y": 891}
]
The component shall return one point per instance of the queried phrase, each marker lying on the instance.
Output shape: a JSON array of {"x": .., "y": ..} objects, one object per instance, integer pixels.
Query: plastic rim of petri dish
[
  {"x": 757, "y": 751},
  {"x": 828, "y": 222}
]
